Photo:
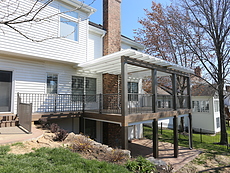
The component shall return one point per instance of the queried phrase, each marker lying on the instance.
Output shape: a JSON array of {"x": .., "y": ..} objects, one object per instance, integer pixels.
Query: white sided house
[
  {"x": 87, "y": 77},
  {"x": 205, "y": 108}
]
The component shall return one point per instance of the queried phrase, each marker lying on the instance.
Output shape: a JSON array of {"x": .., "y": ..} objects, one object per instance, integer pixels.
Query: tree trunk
[{"x": 223, "y": 137}]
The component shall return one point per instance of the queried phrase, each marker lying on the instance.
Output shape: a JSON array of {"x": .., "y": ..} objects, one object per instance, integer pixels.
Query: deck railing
[{"x": 101, "y": 103}]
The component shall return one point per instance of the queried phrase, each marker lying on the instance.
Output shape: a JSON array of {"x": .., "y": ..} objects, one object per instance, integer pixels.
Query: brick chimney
[
  {"x": 112, "y": 24},
  {"x": 112, "y": 44},
  {"x": 197, "y": 71}
]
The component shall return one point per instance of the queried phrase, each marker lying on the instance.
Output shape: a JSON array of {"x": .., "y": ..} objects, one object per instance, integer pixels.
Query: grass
[
  {"x": 53, "y": 160},
  {"x": 208, "y": 146},
  {"x": 206, "y": 142}
]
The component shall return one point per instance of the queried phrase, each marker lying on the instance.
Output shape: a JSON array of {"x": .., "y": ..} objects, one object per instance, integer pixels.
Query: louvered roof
[{"x": 112, "y": 64}]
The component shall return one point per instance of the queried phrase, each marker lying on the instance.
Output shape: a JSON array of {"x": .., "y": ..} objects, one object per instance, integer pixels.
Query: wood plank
[
  {"x": 150, "y": 116},
  {"x": 106, "y": 117}
]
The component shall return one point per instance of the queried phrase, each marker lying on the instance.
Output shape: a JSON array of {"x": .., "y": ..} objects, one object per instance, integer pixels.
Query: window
[
  {"x": 52, "y": 83},
  {"x": 84, "y": 86},
  {"x": 68, "y": 24},
  {"x": 159, "y": 104},
  {"x": 90, "y": 89},
  {"x": 200, "y": 106},
  {"x": 77, "y": 85},
  {"x": 218, "y": 122},
  {"x": 216, "y": 106},
  {"x": 5, "y": 90},
  {"x": 133, "y": 91}
]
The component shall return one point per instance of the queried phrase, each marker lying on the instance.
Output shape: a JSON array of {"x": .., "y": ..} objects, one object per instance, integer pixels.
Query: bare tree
[
  {"x": 160, "y": 37},
  {"x": 23, "y": 16},
  {"x": 203, "y": 27}
]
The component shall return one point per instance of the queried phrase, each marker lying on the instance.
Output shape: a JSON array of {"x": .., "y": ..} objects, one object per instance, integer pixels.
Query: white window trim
[
  {"x": 48, "y": 73},
  {"x": 196, "y": 110},
  {"x": 71, "y": 19}
]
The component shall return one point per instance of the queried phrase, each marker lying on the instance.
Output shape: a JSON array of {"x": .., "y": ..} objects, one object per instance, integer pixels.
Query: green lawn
[
  {"x": 53, "y": 160},
  {"x": 200, "y": 142}
]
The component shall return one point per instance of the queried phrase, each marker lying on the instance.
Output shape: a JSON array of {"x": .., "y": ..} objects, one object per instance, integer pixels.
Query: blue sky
[{"x": 131, "y": 11}]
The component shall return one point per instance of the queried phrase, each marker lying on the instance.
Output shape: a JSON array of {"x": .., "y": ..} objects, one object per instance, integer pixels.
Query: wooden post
[
  {"x": 124, "y": 102},
  {"x": 175, "y": 134},
  {"x": 174, "y": 91},
  {"x": 154, "y": 90},
  {"x": 190, "y": 130},
  {"x": 124, "y": 139},
  {"x": 155, "y": 138},
  {"x": 81, "y": 125},
  {"x": 124, "y": 87},
  {"x": 189, "y": 92}
]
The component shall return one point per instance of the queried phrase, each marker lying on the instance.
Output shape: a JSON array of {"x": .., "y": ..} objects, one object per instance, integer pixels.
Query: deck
[{"x": 104, "y": 107}]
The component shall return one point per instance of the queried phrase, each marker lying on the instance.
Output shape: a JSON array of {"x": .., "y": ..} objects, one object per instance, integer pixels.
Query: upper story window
[
  {"x": 68, "y": 23},
  {"x": 200, "y": 106}
]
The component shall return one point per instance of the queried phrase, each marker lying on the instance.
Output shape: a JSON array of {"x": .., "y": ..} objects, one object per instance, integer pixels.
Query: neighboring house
[
  {"x": 90, "y": 81},
  {"x": 205, "y": 108}
]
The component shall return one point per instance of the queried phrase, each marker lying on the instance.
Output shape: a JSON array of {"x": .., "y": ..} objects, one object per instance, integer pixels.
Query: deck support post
[
  {"x": 174, "y": 91},
  {"x": 124, "y": 102},
  {"x": 124, "y": 139},
  {"x": 175, "y": 134},
  {"x": 189, "y": 92},
  {"x": 155, "y": 138},
  {"x": 154, "y": 90},
  {"x": 190, "y": 131},
  {"x": 81, "y": 126}
]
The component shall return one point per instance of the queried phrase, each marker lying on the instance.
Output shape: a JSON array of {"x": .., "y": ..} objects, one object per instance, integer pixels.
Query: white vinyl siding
[
  {"x": 30, "y": 76},
  {"x": 53, "y": 49},
  {"x": 95, "y": 47}
]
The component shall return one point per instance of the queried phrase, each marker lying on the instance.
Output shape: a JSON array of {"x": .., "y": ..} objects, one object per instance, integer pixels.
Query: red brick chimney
[
  {"x": 112, "y": 24},
  {"x": 112, "y": 44}
]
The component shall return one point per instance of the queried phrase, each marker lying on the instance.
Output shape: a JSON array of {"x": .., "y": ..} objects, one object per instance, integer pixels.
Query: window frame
[
  {"x": 47, "y": 88},
  {"x": 216, "y": 106},
  {"x": 91, "y": 97},
  {"x": 201, "y": 106},
  {"x": 69, "y": 19},
  {"x": 133, "y": 94}
]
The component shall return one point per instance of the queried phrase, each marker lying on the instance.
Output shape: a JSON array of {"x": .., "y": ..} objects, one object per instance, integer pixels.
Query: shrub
[
  {"x": 54, "y": 128},
  {"x": 82, "y": 144},
  {"x": 116, "y": 155},
  {"x": 60, "y": 135},
  {"x": 140, "y": 165},
  {"x": 44, "y": 122}
]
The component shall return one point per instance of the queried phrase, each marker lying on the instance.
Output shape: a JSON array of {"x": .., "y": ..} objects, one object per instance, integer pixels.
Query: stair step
[{"x": 8, "y": 123}]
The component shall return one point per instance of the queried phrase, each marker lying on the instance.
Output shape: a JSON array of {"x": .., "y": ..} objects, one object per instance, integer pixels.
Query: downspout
[{"x": 102, "y": 45}]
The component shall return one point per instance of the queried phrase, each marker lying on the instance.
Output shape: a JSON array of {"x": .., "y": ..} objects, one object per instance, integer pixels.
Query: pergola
[{"x": 127, "y": 62}]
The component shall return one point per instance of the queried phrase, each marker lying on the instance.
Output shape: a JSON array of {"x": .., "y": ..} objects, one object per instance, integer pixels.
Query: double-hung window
[
  {"x": 52, "y": 83},
  {"x": 133, "y": 91},
  {"x": 68, "y": 23}
]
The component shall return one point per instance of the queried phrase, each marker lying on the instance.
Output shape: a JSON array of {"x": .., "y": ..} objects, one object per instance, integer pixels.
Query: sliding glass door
[{"x": 5, "y": 91}]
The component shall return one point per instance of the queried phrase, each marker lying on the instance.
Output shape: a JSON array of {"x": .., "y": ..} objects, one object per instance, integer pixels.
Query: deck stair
[{"x": 8, "y": 120}]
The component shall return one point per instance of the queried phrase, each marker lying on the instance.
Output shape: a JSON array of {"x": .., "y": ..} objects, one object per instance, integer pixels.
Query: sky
[{"x": 131, "y": 11}]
